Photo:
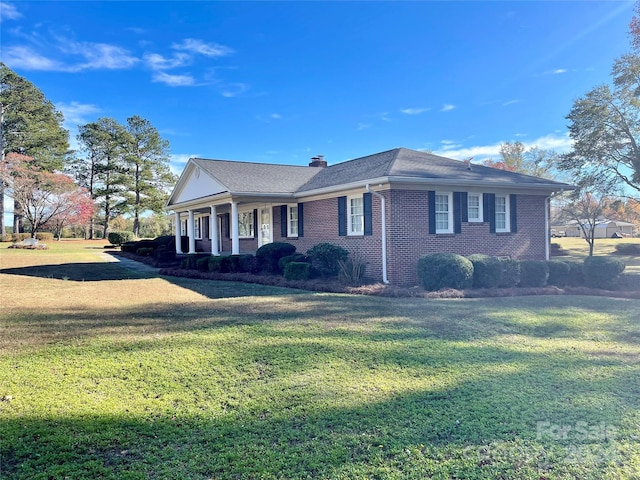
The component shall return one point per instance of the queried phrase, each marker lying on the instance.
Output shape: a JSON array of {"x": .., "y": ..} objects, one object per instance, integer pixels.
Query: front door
[{"x": 266, "y": 234}]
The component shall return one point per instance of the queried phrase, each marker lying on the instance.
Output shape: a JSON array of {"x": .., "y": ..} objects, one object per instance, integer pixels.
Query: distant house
[
  {"x": 603, "y": 228},
  {"x": 390, "y": 208}
]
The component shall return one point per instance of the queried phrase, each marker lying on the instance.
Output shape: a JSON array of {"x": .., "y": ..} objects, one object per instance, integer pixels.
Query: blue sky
[{"x": 284, "y": 81}]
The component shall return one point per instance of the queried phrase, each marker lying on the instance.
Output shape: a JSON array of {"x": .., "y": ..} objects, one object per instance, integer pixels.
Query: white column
[
  {"x": 235, "y": 235},
  {"x": 191, "y": 231},
  {"x": 213, "y": 231},
  {"x": 178, "y": 233}
]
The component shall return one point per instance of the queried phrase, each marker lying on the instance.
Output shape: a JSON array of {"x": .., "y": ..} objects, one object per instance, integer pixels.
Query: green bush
[
  {"x": 7, "y": 237},
  {"x": 510, "y": 276},
  {"x": 202, "y": 264},
  {"x": 248, "y": 264},
  {"x": 144, "y": 251},
  {"x": 533, "y": 273},
  {"x": 130, "y": 247},
  {"x": 164, "y": 254},
  {"x": 18, "y": 237},
  {"x": 190, "y": 262},
  {"x": 44, "y": 236},
  {"x": 118, "y": 238},
  {"x": 296, "y": 257},
  {"x": 445, "y": 270},
  {"x": 297, "y": 271},
  {"x": 326, "y": 257},
  {"x": 487, "y": 270},
  {"x": 215, "y": 263},
  {"x": 600, "y": 272},
  {"x": 576, "y": 275},
  {"x": 627, "y": 249},
  {"x": 268, "y": 255},
  {"x": 559, "y": 273}
]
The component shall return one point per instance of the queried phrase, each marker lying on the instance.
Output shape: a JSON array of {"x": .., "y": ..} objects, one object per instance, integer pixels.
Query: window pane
[
  {"x": 293, "y": 221},
  {"x": 245, "y": 224},
  {"x": 501, "y": 213},
  {"x": 473, "y": 203},
  {"x": 356, "y": 215},
  {"x": 442, "y": 212}
]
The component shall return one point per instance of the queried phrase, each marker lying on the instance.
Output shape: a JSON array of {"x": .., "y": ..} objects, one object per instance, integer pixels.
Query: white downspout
[
  {"x": 547, "y": 228},
  {"x": 384, "y": 233}
]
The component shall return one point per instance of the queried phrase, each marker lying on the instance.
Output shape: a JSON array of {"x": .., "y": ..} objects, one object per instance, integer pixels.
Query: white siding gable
[{"x": 198, "y": 184}]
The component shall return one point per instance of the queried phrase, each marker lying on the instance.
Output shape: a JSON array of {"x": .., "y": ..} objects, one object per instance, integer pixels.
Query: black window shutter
[
  {"x": 300, "y": 220},
  {"x": 255, "y": 223},
  {"x": 464, "y": 206},
  {"x": 342, "y": 216},
  {"x": 431, "y": 196},
  {"x": 368, "y": 216},
  {"x": 457, "y": 212},
  {"x": 513, "y": 212},
  {"x": 284, "y": 215},
  {"x": 489, "y": 213},
  {"x": 205, "y": 228},
  {"x": 227, "y": 225}
]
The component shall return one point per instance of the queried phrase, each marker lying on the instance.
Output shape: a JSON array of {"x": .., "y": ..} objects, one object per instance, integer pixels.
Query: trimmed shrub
[
  {"x": 268, "y": 255},
  {"x": 487, "y": 270},
  {"x": 576, "y": 275},
  {"x": 297, "y": 271},
  {"x": 510, "y": 276},
  {"x": 445, "y": 270},
  {"x": 164, "y": 254},
  {"x": 6, "y": 237},
  {"x": 130, "y": 247},
  {"x": 296, "y": 257},
  {"x": 248, "y": 264},
  {"x": 533, "y": 273},
  {"x": 44, "y": 236},
  {"x": 18, "y": 237},
  {"x": 144, "y": 251},
  {"x": 326, "y": 257},
  {"x": 559, "y": 273},
  {"x": 600, "y": 272},
  {"x": 627, "y": 249},
  {"x": 190, "y": 262},
  {"x": 215, "y": 263},
  {"x": 202, "y": 264},
  {"x": 118, "y": 238}
]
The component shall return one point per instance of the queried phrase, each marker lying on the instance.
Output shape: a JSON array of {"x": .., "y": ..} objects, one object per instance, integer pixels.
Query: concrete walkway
[{"x": 129, "y": 264}]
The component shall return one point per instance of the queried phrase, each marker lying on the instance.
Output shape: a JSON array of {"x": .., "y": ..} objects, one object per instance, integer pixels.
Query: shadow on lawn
[
  {"x": 478, "y": 428},
  {"x": 79, "y": 272}
]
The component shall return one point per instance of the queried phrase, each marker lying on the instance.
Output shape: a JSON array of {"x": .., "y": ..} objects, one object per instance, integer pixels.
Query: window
[
  {"x": 355, "y": 216},
  {"x": 502, "y": 213},
  {"x": 196, "y": 226},
  {"x": 245, "y": 224},
  {"x": 474, "y": 207},
  {"x": 183, "y": 227},
  {"x": 444, "y": 212},
  {"x": 292, "y": 220}
]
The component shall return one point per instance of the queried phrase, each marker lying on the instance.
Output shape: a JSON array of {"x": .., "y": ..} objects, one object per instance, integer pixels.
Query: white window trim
[
  {"x": 241, "y": 212},
  {"x": 197, "y": 227},
  {"x": 450, "y": 213},
  {"x": 480, "y": 217},
  {"x": 289, "y": 232},
  {"x": 507, "y": 212},
  {"x": 350, "y": 231}
]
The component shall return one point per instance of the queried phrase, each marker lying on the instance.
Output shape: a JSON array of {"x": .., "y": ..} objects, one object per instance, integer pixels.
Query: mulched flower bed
[{"x": 629, "y": 286}]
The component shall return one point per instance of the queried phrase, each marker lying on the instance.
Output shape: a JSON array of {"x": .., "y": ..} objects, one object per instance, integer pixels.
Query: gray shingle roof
[
  {"x": 247, "y": 177},
  {"x": 406, "y": 163}
]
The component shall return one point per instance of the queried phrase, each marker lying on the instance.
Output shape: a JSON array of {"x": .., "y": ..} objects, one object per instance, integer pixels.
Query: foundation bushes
[
  {"x": 601, "y": 272},
  {"x": 297, "y": 271},
  {"x": 326, "y": 257},
  {"x": 487, "y": 270},
  {"x": 559, "y": 273},
  {"x": 270, "y": 254},
  {"x": 510, "y": 274},
  {"x": 119, "y": 238},
  {"x": 445, "y": 270},
  {"x": 533, "y": 273}
]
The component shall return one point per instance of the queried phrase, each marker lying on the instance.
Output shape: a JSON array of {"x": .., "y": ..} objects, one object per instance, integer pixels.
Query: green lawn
[
  {"x": 578, "y": 249},
  {"x": 108, "y": 374}
]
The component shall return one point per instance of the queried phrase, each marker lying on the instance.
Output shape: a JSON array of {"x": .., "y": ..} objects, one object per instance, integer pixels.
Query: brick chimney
[{"x": 318, "y": 161}]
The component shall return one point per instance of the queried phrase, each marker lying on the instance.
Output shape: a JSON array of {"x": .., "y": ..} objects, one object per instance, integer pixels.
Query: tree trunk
[{"x": 3, "y": 230}]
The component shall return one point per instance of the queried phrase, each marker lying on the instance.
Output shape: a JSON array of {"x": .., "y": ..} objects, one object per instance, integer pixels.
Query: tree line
[{"x": 118, "y": 170}]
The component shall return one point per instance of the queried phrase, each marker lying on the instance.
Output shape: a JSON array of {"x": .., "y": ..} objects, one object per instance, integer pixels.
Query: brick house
[{"x": 388, "y": 208}]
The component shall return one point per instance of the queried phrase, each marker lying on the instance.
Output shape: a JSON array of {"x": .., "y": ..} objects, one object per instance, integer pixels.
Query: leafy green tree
[
  {"x": 605, "y": 126},
  {"x": 29, "y": 125},
  {"x": 104, "y": 170},
  {"x": 147, "y": 158}
]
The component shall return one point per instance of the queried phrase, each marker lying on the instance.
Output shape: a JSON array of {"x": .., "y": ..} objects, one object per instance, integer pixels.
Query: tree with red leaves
[{"x": 48, "y": 198}]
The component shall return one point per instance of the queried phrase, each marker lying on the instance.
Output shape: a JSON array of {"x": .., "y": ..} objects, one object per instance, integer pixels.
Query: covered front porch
[{"x": 225, "y": 229}]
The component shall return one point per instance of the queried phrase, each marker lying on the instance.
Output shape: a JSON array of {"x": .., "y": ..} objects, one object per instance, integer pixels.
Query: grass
[
  {"x": 105, "y": 373},
  {"x": 578, "y": 249}
]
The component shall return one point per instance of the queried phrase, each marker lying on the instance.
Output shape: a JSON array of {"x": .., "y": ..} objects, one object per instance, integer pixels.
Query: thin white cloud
[
  {"x": 198, "y": 46},
  {"x": 234, "y": 89},
  {"x": 275, "y": 116},
  {"x": 26, "y": 59},
  {"x": 100, "y": 56},
  {"x": 8, "y": 11},
  {"x": 414, "y": 111},
  {"x": 510, "y": 102},
  {"x": 76, "y": 113},
  {"x": 174, "y": 80},
  {"x": 177, "y": 161},
  {"x": 157, "y": 62},
  {"x": 559, "y": 143},
  {"x": 447, "y": 107},
  {"x": 363, "y": 126}
]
